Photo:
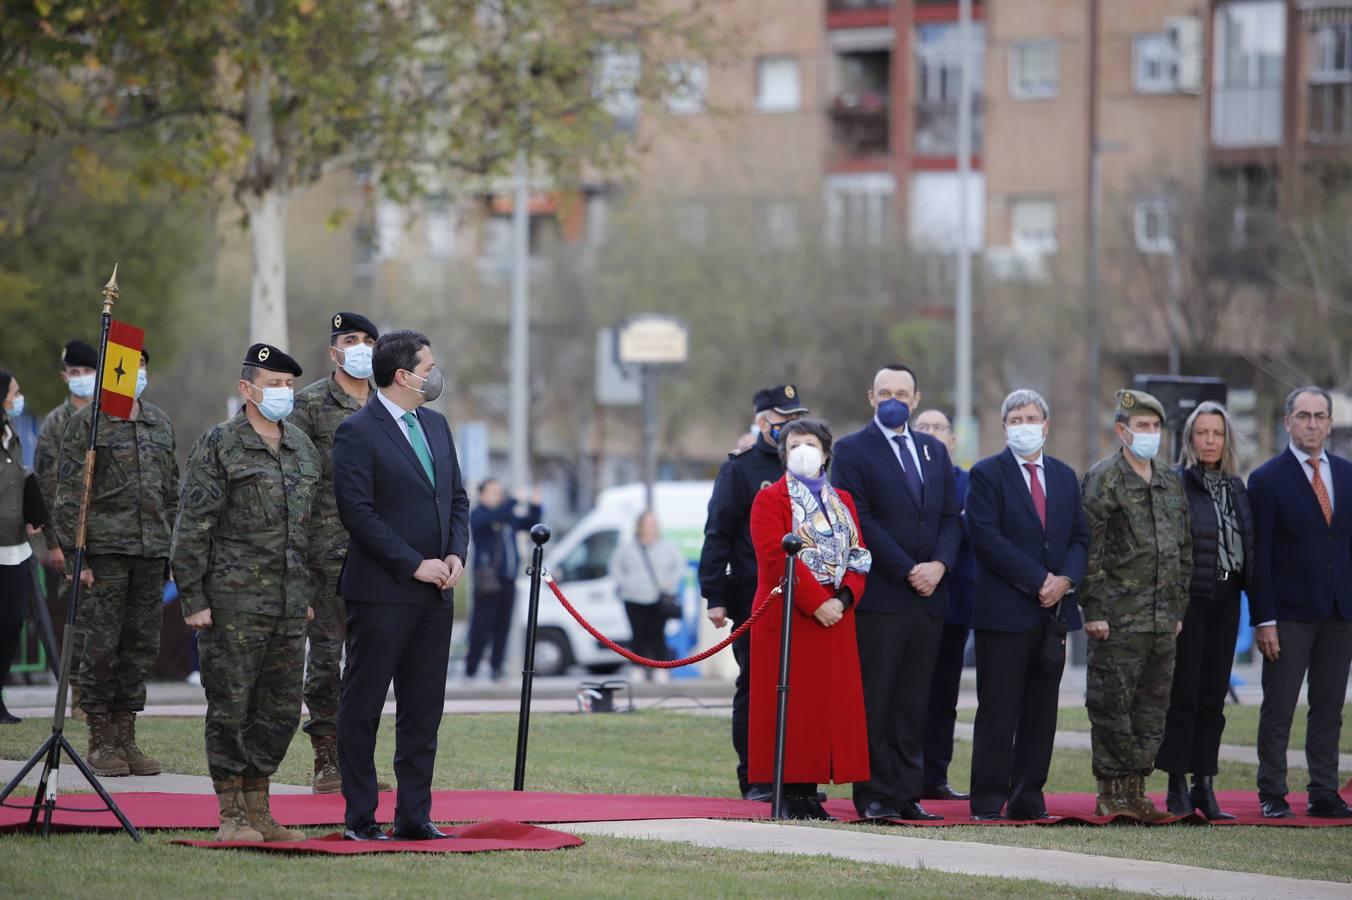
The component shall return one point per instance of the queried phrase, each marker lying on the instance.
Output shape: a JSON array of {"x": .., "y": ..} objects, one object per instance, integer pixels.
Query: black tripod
[{"x": 44, "y": 801}]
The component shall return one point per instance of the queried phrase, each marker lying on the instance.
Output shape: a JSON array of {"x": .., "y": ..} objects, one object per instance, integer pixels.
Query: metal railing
[{"x": 1246, "y": 116}]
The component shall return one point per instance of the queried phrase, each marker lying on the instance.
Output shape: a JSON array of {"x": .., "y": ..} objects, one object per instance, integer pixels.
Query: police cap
[{"x": 783, "y": 399}]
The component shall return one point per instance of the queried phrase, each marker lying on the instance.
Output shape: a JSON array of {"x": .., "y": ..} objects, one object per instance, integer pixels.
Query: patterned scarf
[
  {"x": 1229, "y": 541},
  {"x": 830, "y": 535}
]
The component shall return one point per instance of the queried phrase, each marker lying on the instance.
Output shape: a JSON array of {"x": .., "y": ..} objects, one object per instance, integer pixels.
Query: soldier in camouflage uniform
[
  {"x": 132, "y": 505},
  {"x": 248, "y": 557},
  {"x": 1134, "y": 596},
  {"x": 320, "y": 409},
  {"x": 79, "y": 369}
]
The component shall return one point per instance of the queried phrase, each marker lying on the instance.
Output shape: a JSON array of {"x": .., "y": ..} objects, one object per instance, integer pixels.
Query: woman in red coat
[{"x": 826, "y": 735}]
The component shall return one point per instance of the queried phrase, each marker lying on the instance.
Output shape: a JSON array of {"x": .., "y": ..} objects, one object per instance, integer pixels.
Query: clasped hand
[
  {"x": 830, "y": 612},
  {"x": 925, "y": 577},
  {"x": 444, "y": 573}
]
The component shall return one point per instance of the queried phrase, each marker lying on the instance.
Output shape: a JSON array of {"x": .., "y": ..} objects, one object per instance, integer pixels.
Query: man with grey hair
[
  {"x": 1300, "y": 600},
  {"x": 1028, "y": 528}
]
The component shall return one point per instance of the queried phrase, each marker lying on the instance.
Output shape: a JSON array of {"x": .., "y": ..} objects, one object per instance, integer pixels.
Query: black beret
[
  {"x": 145, "y": 355},
  {"x": 266, "y": 356},
  {"x": 783, "y": 399},
  {"x": 78, "y": 353},
  {"x": 348, "y": 322}
]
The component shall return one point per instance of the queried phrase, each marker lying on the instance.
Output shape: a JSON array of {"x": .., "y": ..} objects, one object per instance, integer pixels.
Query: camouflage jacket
[
  {"x": 134, "y": 498},
  {"x": 1140, "y": 547},
  {"x": 320, "y": 409},
  {"x": 47, "y": 451},
  {"x": 246, "y": 537}
]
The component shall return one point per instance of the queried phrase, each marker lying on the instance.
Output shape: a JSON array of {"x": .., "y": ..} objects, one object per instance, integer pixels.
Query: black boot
[
  {"x": 7, "y": 717},
  {"x": 1178, "y": 801},
  {"x": 1203, "y": 797}
]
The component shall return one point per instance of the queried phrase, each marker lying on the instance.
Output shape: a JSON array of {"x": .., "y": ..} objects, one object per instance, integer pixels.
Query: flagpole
[{"x": 44, "y": 800}]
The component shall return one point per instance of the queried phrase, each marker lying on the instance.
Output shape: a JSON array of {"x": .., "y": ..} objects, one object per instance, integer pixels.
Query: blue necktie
[{"x": 908, "y": 472}]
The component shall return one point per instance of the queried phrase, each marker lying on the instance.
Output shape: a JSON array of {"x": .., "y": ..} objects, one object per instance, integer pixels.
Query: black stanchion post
[
  {"x": 792, "y": 544},
  {"x": 540, "y": 534}
]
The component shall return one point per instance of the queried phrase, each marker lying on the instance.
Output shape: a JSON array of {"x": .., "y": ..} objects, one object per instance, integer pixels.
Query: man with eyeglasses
[{"x": 1300, "y": 601}]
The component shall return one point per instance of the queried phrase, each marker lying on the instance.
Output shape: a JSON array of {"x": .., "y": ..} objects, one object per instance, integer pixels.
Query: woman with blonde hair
[{"x": 1222, "y": 553}]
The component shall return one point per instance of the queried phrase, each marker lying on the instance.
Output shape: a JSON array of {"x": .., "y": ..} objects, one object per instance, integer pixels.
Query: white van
[{"x": 580, "y": 563}]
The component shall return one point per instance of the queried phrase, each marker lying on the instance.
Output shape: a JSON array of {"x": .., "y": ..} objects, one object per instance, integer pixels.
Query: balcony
[
  {"x": 860, "y": 125},
  {"x": 1246, "y": 116},
  {"x": 936, "y": 127},
  {"x": 858, "y": 13},
  {"x": 1330, "y": 113}
]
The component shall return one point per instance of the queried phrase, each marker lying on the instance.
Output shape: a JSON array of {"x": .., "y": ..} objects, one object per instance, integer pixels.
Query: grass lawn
[
  {"x": 1241, "y": 724},
  {"x": 652, "y": 752}
]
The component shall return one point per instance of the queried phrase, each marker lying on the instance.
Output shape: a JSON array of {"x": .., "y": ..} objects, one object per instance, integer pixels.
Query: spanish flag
[{"x": 121, "y": 362}]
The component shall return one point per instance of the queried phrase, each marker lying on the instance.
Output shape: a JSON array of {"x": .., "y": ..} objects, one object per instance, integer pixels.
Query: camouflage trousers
[
  {"x": 327, "y": 634},
  {"x": 1127, "y": 695},
  {"x": 252, "y": 670},
  {"x": 119, "y": 618}
]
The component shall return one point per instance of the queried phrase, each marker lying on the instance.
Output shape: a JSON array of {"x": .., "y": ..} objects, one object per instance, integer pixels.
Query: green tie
[{"x": 415, "y": 437}]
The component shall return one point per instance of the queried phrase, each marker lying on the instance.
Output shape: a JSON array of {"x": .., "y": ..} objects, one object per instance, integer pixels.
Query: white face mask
[
  {"x": 1024, "y": 440},
  {"x": 805, "y": 461},
  {"x": 82, "y": 386},
  {"x": 357, "y": 360}
]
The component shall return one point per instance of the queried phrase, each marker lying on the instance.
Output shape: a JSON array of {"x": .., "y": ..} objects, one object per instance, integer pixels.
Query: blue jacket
[
  {"x": 1013, "y": 551},
  {"x": 394, "y": 516},
  {"x": 962, "y": 580},
  {"x": 897, "y": 533},
  {"x": 1302, "y": 566},
  {"x": 492, "y": 532}
]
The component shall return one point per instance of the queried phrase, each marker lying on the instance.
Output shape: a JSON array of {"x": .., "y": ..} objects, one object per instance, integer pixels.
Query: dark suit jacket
[
  {"x": 899, "y": 534},
  {"x": 394, "y": 517},
  {"x": 962, "y": 580},
  {"x": 1013, "y": 552},
  {"x": 1302, "y": 566}
]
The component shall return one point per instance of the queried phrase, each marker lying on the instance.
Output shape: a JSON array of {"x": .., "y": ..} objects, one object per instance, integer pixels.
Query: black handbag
[
  {"x": 669, "y": 605},
  {"x": 1052, "y": 653}
]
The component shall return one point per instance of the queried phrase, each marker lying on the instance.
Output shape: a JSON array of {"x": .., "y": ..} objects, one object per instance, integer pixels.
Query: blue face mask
[
  {"x": 357, "y": 360},
  {"x": 82, "y": 386},
  {"x": 1145, "y": 445},
  {"x": 277, "y": 403},
  {"x": 141, "y": 382},
  {"x": 776, "y": 431},
  {"x": 893, "y": 413},
  {"x": 17, "y": 405}
]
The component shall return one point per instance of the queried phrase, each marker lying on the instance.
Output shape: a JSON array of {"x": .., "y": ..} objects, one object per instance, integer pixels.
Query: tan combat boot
[
  {"x": 1110, "y": 801},
  {"x": 103, "y": 757},
  {"x": 234, "y": 820},
  {"x": 327, "y": 779},
  {"x": 259, "y": 810},
  {"x": 124, "y": 721},
  {"x": 1140, "y": 804}
]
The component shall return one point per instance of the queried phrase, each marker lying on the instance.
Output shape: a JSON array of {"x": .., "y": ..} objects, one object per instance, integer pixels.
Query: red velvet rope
[{"x": 657, "y": 663}]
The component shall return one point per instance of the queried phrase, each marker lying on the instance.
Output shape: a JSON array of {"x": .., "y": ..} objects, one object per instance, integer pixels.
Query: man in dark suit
[
  {"x": 904, "y": 489},
  {"x": 401, "y": 500},
  {"x": 946, "y": 682},
  {"x": 1300, "y": 601},
  {"x": 1032, "y": 545}
]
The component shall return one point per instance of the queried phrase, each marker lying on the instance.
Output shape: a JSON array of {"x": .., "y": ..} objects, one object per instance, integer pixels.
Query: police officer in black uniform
[{"x": 727, "y": 564}]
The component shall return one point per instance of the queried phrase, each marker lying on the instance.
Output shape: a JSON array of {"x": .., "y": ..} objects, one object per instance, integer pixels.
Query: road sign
[{"x": 652, "y": 340}]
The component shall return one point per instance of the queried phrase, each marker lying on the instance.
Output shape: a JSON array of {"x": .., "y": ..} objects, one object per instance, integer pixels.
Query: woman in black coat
[{"x": 1222, "y": 551}]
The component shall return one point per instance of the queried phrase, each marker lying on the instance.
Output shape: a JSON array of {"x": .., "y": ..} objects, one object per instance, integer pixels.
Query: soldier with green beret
[
  {"x": 1133, "y": 596},
  {"x": 132, "y": 505},
  {"x": 320, "y": 409},
  {"x": 248, "y": 558}
]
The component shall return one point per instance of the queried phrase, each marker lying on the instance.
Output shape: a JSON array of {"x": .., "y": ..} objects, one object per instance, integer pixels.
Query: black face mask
[{"x": 776, "y": 430}]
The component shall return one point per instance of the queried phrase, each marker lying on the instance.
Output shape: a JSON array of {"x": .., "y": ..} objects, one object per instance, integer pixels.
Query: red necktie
[
  {"x": 1321, "y": 493},
  {"x": 1039, "y": 498}
]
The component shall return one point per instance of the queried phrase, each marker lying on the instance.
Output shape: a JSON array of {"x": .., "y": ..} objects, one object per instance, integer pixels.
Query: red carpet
[
  {"x": 478, "y": 838},
  {"x": 161, "y": 810}
]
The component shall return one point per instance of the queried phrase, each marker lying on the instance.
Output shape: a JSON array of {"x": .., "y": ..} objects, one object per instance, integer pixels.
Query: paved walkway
[
  {"x": 73, "y": 781},
  {"x": 969, "y": 858}
]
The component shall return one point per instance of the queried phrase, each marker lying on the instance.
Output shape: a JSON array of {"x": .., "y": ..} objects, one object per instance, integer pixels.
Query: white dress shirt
[
  {"x": 398, "y": 412},
  {"x": 1041, "y": 472},
  {"x": 910, "y": 445},
  {"x": 1325, "y": 470}
]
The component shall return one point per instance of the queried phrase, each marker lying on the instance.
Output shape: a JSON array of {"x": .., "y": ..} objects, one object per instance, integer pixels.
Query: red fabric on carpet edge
[
  {"x": 151, "y": 810},
  {"x": 480, "y": 837}
]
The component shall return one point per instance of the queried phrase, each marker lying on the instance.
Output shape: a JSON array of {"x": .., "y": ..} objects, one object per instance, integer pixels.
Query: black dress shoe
[
  {"x": 914, "y": 812},
  {"x": 424, "y": 832},
  {"x": 1029, "y": 816},
  {"x": 880, "y": 809},
  {"x": 371, "y": 832},
  {"x": 1329, "y": 806},
  {"x": 821, "y": 796},
  {"x": 944, "y": 791},
  {"x": 988, "y": 817},
  {"x": 807, "y": 808},
  {"x": 1274, "y": 807},
  {"x": 760, "y": 793}
]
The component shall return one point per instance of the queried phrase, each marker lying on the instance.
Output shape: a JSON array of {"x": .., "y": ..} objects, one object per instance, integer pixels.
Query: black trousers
[
  {"x": 896, "y": 660},
  {"x": 409, "y": 644},
  {"x": 490, "y": 623},
  {"x": 1015, "y": 723},
  {"x": 648, "y": 625},
  {"x": 943, "y": 704},
  {"x": 15, "y": 584},
  {"x": 1206, "y": 653},
  {"x": 741, "y": 693}
]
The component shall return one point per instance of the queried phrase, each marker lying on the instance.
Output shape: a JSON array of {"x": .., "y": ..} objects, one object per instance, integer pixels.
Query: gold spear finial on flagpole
[{"x": 110, "y": 293}]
